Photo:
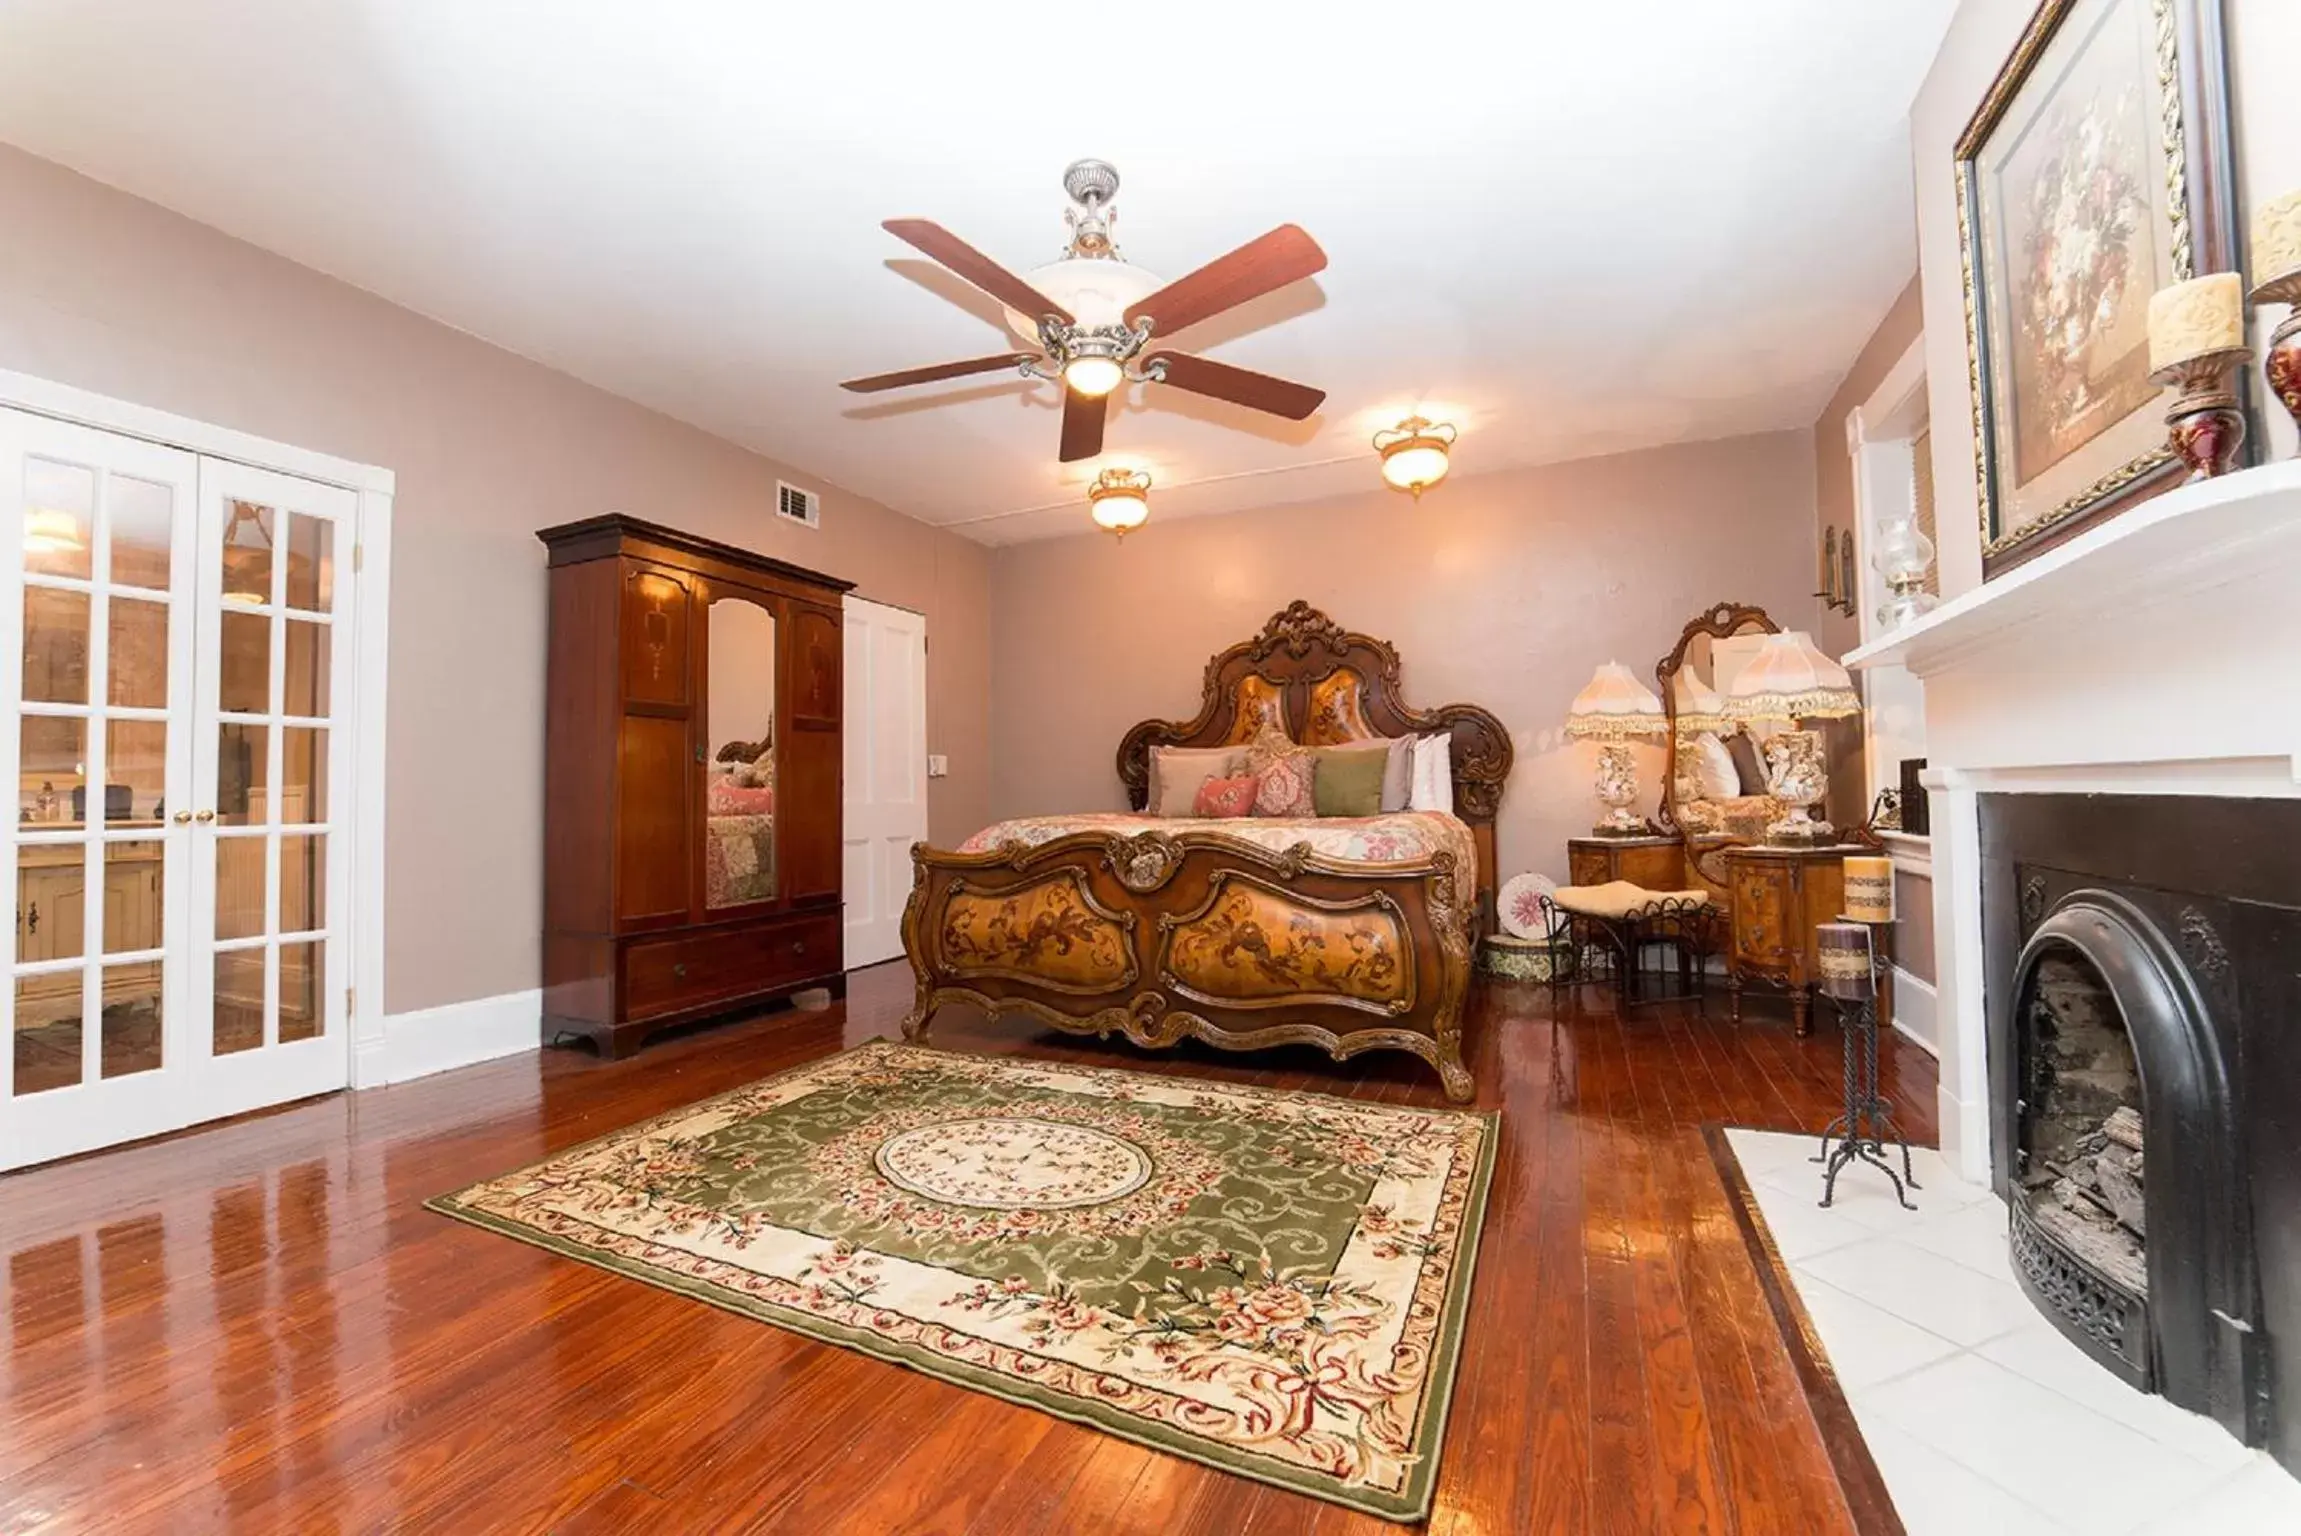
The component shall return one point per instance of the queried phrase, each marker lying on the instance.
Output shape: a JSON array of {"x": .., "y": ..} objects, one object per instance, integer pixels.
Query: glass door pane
[
  {"x": 93, "y": 530},
  {"x": 269, "y": 878}
]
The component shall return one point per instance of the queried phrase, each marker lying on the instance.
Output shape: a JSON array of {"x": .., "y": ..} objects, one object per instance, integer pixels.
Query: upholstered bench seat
[{"x": 1618, "y": 899}]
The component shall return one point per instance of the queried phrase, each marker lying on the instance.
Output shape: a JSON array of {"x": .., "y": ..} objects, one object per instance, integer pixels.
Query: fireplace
[{"x": 2143, "y": 979}]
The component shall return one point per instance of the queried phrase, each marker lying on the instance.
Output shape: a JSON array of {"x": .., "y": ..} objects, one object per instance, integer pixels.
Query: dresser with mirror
[{"x": 692, "y": 781}]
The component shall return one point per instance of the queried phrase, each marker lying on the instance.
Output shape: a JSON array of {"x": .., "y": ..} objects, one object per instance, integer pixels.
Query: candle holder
[
  {"x": 2281, "y": 366},
  {"x": 2207, "y": 427},
  {"x": 1847, "y": 954}
]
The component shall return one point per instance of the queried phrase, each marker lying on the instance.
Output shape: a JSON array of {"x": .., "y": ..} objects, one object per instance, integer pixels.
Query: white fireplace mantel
[{"x": 2156, "y": 654}]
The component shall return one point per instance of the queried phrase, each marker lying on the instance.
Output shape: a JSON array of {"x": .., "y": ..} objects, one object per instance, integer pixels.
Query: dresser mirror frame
[{"x": 1722, "y": 621}]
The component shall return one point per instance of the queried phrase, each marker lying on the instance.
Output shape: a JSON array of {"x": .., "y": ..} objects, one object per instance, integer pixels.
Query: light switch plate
[{"x": 938, "y": 766}]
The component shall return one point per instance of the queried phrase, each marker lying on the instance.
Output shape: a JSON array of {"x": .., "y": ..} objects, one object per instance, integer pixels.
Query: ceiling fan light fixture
[
  {"x": 1414, "y": 454},
  {"x": 1120, "y": 500},
  {"x": 1093, "y": 376}
]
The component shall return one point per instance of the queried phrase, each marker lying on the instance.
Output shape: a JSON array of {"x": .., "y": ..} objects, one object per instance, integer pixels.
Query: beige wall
[
  {"x": 2264, "y": 38},
  {"x": 1504, "y": 590},
  {"x": 100, "y": 290}
]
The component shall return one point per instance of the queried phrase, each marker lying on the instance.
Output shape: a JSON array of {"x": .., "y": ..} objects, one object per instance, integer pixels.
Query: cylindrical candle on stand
[
  {"x": 2277, "y": 280},
  {"x": 1842, "y": 956},
  {"x": 1869, "y": 889},
  {"x": 2196, "y": 319}
]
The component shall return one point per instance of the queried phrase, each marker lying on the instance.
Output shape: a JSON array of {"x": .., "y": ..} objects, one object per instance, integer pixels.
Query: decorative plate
[{"x": 1522, "y": 904}]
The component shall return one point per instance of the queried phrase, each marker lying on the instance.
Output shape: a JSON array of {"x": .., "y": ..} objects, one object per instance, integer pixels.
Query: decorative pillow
[
  {"x": 1227, "y": 797},
  {"x": 1177, "y": 772},
  {"x": 1283, "y": 788},
  {"x": 1348, "y": 781},
  {"x": 1749, "y": 772},
  {"x": 728, "y": 796},
  {"x": 1397, "y": 773},
  {"x": 1433, "y": 785},
  {"x": 1714, "y": 771}
]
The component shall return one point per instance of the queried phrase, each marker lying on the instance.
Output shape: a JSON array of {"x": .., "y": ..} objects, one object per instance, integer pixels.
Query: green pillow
[{"x": 1347, "y": 781}]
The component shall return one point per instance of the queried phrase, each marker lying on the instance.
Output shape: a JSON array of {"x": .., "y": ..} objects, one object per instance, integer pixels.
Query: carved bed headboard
[{"x": 1323, "y": 684}]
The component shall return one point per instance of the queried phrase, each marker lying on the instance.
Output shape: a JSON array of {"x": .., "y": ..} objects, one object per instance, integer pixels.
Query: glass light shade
[
  {"x": 50, "y": 532},
  {"x": 1902, "y": 556},
  {"x": 1120, "y": 500},
  {"x": 1791, "y": 680},
  {"x": 1121, "y": 511},
  {"x": 1416, "y": 467},
  {"x": 1614, "y": 706},
  {"x": 1093, "y": 376},
  {"x": 1096, "y": 290}
]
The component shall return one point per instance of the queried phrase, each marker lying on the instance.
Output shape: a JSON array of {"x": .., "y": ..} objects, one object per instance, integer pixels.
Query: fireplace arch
[{"x": 2193, "y": 1337}]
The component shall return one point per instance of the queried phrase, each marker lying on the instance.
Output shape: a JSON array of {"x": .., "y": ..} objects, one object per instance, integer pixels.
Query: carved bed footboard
[{"x": 1158, "y": 936}]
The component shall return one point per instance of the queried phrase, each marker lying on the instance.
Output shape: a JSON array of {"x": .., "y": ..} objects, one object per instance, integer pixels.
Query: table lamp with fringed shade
[
  {"x": 1617, "y": 708},
  {"x": 1790, "y": 681},
  {"x": 1699, "y": 706}
]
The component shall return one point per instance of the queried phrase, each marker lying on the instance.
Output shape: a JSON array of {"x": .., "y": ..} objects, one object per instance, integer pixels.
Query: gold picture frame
[{"x": 2099, "y": 156}]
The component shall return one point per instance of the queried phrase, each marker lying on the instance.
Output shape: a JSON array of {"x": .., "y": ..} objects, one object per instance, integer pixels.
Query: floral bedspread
[{"x": 1402, "y": 837}]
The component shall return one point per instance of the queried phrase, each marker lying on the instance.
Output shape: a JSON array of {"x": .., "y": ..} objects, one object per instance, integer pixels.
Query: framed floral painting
[{"x": 2095, "y": 172}]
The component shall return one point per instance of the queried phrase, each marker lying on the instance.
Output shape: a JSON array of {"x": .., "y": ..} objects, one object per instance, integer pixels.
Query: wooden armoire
[{"x": 691, "y": 782}]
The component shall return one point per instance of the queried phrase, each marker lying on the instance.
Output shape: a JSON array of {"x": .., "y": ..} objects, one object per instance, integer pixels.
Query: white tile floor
[{"x": 1982, "y": 1418}]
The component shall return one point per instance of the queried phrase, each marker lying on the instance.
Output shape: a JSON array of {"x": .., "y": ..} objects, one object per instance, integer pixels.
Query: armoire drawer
[{"x": 666, "y": 975}]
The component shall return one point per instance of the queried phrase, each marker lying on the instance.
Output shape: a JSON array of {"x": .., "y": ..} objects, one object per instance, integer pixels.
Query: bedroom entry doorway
[
  {"x": 178, "y": 710},
  {"x": 886, "y": 779}
]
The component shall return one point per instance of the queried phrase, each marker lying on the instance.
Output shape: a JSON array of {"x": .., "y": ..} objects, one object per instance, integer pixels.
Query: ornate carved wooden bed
[{"x": 1180, "y": 928}]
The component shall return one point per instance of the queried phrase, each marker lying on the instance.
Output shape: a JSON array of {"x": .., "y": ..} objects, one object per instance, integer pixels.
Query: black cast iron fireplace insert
[{"x": 2143, "y": 975}]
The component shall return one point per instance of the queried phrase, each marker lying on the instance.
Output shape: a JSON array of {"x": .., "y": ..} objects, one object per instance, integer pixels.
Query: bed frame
[{"x": 1159, "y": 935}]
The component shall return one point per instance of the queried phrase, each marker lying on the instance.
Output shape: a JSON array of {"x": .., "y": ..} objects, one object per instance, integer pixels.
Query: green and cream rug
[{"x": 1271, "y": 1283}]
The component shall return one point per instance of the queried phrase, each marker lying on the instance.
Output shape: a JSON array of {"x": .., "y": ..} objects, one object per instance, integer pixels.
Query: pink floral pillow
[
  {"x": 1227, "y": 797},
  {"x": 1284, "y": 788}
]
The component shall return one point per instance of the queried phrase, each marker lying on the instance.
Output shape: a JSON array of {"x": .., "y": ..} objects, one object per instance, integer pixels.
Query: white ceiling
[{"x": 1570, "y": 228}]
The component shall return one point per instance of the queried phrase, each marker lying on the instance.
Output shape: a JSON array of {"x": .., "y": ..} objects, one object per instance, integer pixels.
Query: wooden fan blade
[
  {"x": 928, "y": 375},
  {"x": 1254, "y": 269},
  {"x": 977, "y": 268},
  {"x": 1240, "y": 386},
  {"x": 1083, "y": 418}
]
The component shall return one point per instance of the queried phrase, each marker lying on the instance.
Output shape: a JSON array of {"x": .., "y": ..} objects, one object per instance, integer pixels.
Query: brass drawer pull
[{"x": 680, "y": 969}]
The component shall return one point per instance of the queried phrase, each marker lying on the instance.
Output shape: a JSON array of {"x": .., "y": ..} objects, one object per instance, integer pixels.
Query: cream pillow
[
  {"x": 1177, "y": 773},
  {"x": 1715, "y": 773},
  {"x": 1433, "y": 785}
]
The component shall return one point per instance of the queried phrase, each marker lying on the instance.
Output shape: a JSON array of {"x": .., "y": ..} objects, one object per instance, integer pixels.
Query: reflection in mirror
[
  {"x": 739, "y": 728},
  {"x": 1715, "y": 790}
]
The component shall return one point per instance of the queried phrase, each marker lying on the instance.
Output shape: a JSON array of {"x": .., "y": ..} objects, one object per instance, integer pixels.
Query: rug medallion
[{"x": 1272, "y": 1283}]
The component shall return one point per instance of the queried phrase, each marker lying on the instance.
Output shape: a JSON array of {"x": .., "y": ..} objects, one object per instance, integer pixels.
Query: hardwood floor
[{"x": 258, "y": 1327}]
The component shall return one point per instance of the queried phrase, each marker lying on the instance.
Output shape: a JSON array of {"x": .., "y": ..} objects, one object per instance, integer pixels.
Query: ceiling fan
[{"x": 1092, "y": 315}]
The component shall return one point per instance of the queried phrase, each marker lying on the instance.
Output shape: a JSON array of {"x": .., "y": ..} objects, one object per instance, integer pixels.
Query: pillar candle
[
  {"x": 1842, "y": 955},
  {"x": 2187, "y": 320},
  {"x": 1870, "y": 890},
  {"x": 2277, "y": 238}
]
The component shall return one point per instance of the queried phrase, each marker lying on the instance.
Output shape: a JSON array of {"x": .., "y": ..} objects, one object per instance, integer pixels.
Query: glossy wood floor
[{"x": 258, "y": 1328}]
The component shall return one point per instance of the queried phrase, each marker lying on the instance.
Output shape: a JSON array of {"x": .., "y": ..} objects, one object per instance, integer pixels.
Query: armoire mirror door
[{"x": 740, "y": 847}]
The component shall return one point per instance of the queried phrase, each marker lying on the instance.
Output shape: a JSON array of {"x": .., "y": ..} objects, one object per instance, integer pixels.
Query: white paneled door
[
  {"x": 173, "y": 719},
  {"x": 886, "y": 778}
]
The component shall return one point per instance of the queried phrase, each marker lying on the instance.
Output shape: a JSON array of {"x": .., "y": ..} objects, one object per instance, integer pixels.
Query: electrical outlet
[{"x": 938, "y": 766}]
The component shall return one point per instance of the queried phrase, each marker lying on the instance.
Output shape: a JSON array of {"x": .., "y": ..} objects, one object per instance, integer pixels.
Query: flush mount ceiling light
[
  {"x": 1096, "y": 321},
  {"x": 1414, "y": 453},
  {"x": 1120, "y": 500},
  {"x": 50, "y": 532}
]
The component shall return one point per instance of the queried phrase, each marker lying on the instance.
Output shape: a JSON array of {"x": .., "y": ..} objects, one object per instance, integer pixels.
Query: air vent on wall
[{"x": 798, "y": 505}]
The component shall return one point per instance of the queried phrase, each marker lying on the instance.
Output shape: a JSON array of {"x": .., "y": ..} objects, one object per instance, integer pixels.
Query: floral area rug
[{"x": 1271, "y": 1283}]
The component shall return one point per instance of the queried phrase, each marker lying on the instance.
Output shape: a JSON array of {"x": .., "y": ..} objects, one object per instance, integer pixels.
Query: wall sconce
[
  {"x": 1120, "y": 500},
  {"x": 1414, "y": 454}
]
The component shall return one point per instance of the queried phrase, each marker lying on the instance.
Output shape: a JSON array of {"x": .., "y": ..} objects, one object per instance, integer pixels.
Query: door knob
[
  {"x": 205, "y": 816},
  {"x": 183, "y": 817}
]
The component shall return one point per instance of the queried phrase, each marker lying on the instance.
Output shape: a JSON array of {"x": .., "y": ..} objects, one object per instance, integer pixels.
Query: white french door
[
  {"x": 885, "y": 811},
  {"x": 171, "y": 683}
]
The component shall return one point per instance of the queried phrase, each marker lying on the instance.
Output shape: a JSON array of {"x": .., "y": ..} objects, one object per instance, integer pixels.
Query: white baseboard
[
  {"x": 1917, "y": 1011},
  {"x": 429, "y": 1040}
]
